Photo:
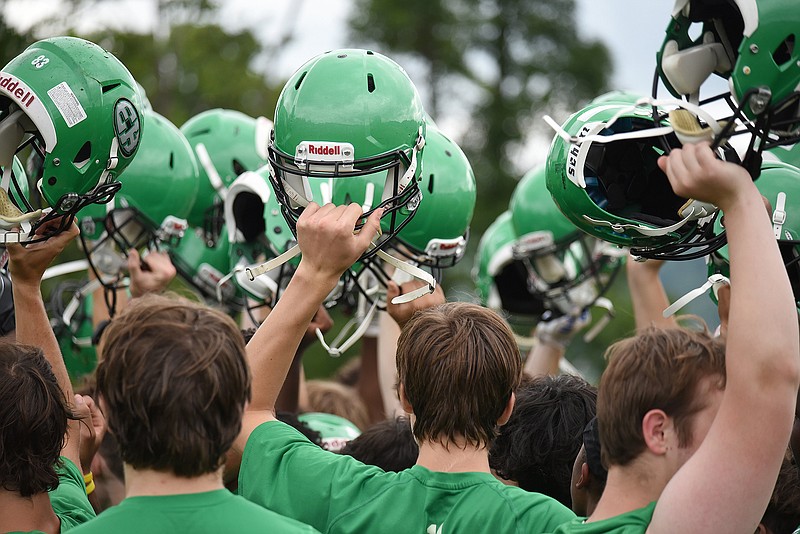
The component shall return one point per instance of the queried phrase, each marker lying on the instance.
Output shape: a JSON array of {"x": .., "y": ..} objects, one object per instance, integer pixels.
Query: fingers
[
  {"x": 370, "y": 230},
  {"x": 134, "y": 262},
  {"x": 322, "y": 320},
  {"x": 392, "y": 291}
]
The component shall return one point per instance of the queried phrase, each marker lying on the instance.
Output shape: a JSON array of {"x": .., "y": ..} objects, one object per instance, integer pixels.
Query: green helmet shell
[
  {"x": 615, "y": 191},
  {"x": 227, "y": 143},
  {"x": 750, "y": 43},
  {"x": 347, "y": 114},
  {"x": 533, "y": 210},
  {"x": 158, "y": 189},
  {"x": 203, "y": 266},
  {"x": 85, "y": 109},
  {"x": 493, "y": 256},
  {"x": 617, "y": 97},
  {"x": 437, "y": 235},
  {"x": 336, "y": 431},
  {"x": 779, "y": 183}
]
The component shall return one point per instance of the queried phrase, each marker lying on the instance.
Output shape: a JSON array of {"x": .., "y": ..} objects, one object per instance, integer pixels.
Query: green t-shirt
[
  {"x": 633, "y": 522},
  {"x": 69, "y": 500},
  {"x": 209, "y": 512},
  {"x": 284, "y": 471}
]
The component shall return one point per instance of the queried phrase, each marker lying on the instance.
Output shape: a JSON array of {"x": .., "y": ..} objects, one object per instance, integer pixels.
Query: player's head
[
  {"x": 538, "y": 445},
  {"x": 589, "y": 476},
  {"x": 388, "y": 444},
  {"x": 173, "y": 382},
  {"x": 79, "y": 110},
  {"x": 33, "y": 416},
  {"x": 677, "y": 373},
  {"x": 457, "y": 366}
]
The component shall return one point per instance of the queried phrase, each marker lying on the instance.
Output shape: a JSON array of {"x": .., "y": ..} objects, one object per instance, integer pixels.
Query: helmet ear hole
[
  {"x": 784, "y": 52},
  {"x": 248, "y": 213},
  {"x": 83, "y": 155},
  {"x": 172, "y": 160}
]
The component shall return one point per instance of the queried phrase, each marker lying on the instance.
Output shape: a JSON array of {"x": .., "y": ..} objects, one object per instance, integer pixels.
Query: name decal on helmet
[
  {"x": 323, "y": 151},
  {"x": 17, "y": 90},
  {"x": 126, "y": 126}
]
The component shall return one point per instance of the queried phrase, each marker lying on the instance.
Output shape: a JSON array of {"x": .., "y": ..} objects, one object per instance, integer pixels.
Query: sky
[{"x": 633, "y": 30}]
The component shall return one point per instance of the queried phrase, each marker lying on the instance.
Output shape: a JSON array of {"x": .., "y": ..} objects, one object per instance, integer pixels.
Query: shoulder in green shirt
[
  {"x": 285, "y": 472},
  {"x": 69, "y": 499},
  {"x": 633, "y": 522},
  {"x": 198, "y": 513}
]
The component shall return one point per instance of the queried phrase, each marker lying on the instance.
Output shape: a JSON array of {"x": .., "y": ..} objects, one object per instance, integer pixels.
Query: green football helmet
[
  {"x": 779, "y": 183},
  {"x": 618, "y": 97},
  {"x": 346, "y": 115},
  {"x": 79, "y": 110},
  {"x": 226, "y": 143},
  {"x": 437, "y": 235},
  {"x": 257, "y": 232},
  {"x": 752, "y": 45},
  {"x": 204, "y": 268},
  {"x": 70, "y": 311},
  {"x": 564, "y": 268},
  {"x": 335, "y": 431},
  {"x": 603, "y": 175},
  {"x": 157, "y": 193}
]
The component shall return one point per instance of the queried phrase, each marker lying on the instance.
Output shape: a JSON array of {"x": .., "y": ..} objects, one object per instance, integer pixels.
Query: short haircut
[
  {"x": 388, "y": 444},
  {"x": 538, "y": 446},
  {"x": 656, "y": 369},
  {"x": 175, "y": 381},
  {"x": 327, "y": 396},
  {"x": 33, "y": 418},
  {"x": 458, "y": 364}
]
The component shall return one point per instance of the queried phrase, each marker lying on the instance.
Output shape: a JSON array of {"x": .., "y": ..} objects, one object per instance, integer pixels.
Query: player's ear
[
  {"x": 657, "y": 431},
  {"x": 401, "y": 392},
  {"x": 507, "y": 412}
]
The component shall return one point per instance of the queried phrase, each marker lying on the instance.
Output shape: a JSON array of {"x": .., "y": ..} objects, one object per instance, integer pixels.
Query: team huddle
[{"x": 164, "y": 391}]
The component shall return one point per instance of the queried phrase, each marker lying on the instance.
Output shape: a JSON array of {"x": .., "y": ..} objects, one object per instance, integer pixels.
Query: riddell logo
[
  {"x": 324, "y": 150},
  {"x": 11, "y": 85}
]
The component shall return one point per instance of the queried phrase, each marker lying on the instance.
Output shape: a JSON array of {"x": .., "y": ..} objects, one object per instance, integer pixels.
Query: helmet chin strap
[
  {"x": 691, "y": 211},
  {"x": 714, "y": 282}
]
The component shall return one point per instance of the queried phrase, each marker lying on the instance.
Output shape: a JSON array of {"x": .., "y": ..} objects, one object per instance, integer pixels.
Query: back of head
[
  {"x": 538, "y": 445},
  {"x": 458, "y": 364},
  {"x": 33, "y": 416},
  {"x": 327, "y": 396},
  {"x": 388, "y": 444},
  {"x": 174, "y": 380},
  {"x": 656, "y": 369}
]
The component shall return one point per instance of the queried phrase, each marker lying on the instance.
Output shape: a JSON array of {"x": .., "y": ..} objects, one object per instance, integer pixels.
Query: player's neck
[
  {"x": 147, "y": 482},
  {"x": 455, "y": 459},
  {"x": 24, "y": 514},
  {"x": 629, "y": 488}
]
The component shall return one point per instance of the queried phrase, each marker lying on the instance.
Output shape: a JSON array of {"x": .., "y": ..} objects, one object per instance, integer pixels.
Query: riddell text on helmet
[{"x": 16, "y": 89}]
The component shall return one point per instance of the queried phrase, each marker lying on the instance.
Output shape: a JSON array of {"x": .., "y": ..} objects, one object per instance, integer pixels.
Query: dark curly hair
[
  {"x": 34, "y": 416},
  {"x": 539, "y": 444}
]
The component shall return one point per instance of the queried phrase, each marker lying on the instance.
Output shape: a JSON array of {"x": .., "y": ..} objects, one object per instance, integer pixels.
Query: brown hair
[
  {"x": 175, "y": 380},
  {"x": 33, "y": 416},
  {"x": 458, "y": 364},
  {"x": 327, "y": 396},
  {"x": 656, "y": 369}
]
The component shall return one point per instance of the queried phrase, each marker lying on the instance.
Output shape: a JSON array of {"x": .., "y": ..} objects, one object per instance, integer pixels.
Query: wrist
[{"x": 313, "y": 278}]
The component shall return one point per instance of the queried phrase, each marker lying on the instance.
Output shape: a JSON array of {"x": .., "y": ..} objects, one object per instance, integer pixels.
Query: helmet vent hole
[
  {"x": 370, "y": 53},
  {"x": 110, "y": 87},
  {"x": 370, "y": 83},
  {"x": 83, "y": 156},
  {"x": 238, "y": 168},
  {"x": 172, "y": 160},
  {"x": 300, "y": 80},
  {"x": 783, "y": 54},
  {"x": 430, "y": 184},
  {"x": 448, "y": 153}
]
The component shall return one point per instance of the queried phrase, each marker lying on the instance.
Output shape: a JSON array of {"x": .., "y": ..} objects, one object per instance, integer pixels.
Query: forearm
[
  {"x": 543, "y": 359},
  {"x": 369, "y": 388},
  {"x": 648, "y": 296},
  {"x": 272, "y": 349},
  {"x": 33, "y": 328}
]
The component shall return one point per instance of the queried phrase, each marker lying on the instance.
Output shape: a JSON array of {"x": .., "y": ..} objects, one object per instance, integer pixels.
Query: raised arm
[
  {"x": 647, "y": 294},
  {"x": 329, "y": 246},
  {"x": 729, "y": 479},
  {"x": 27, "y": 265}
]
